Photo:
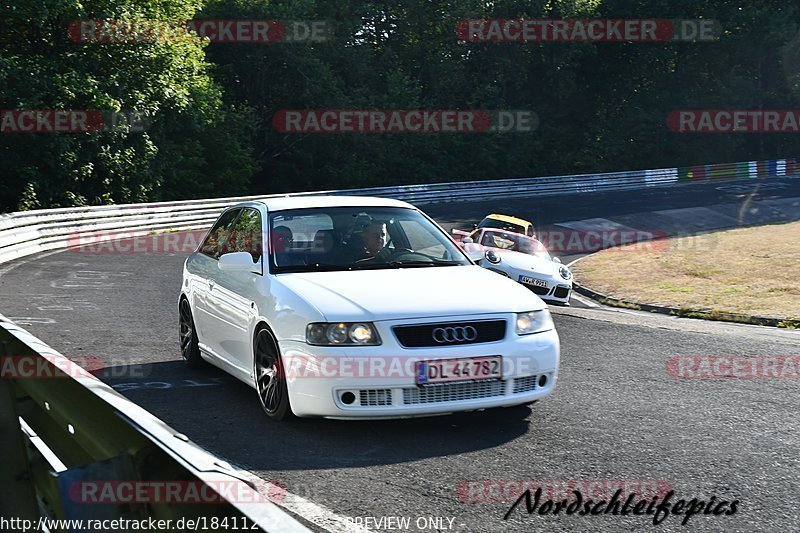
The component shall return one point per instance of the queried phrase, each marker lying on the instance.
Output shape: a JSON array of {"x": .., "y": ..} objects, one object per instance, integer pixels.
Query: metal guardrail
[
  {"x": 579, "y": 183},
  {"x": 29, "y": 232},
  {"x": 76, "y": 428},
  {"x": 57, "y": 430}
]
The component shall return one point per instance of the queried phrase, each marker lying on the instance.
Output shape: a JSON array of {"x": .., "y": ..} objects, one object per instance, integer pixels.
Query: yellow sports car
[
  {"x": 500, "y": 222},
  {"x": 507, "y": 223}
]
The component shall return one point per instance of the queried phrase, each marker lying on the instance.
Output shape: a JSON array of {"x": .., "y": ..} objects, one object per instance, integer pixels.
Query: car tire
[
  {"x": 190, "y": 349},
  {"x": 270, "y": 377}
]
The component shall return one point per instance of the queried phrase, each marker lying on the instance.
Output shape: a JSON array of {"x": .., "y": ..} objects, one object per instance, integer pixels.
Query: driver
[{"x": 373, "y": 237}]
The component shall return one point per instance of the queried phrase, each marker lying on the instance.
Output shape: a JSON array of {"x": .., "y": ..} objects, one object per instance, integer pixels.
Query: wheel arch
[{"x": 260, "y": 324}]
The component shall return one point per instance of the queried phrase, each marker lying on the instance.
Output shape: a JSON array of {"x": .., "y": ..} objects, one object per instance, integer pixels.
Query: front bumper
[
  {"x": 379, "y": 381},
  {"x": 558, "y": 290}
]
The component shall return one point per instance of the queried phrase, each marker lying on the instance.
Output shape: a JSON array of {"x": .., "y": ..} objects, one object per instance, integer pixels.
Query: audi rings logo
[{"x": 455, "y": 334}]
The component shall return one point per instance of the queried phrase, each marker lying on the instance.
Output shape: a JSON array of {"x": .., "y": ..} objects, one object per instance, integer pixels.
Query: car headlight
[
  {"x": 342, "y": 334},
  {"x": 534, "y": 322},
  {"x": 565, "y": 272},
  {"x": 492, "y": 257}
]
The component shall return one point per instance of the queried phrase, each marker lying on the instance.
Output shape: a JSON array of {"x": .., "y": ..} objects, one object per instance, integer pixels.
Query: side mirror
[
  {"x": 557, "y": 260},
  {"x": 474, "y": 226},
  {"x": 467, "y": 240},
  {"x": 238, "y": 262},
  {"x": 476, "y": 252}
]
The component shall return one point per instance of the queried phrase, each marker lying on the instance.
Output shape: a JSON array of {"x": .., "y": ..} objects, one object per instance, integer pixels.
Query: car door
[
  {"x": 232, "y": 297},
  {"x": 205, "y": 270}
]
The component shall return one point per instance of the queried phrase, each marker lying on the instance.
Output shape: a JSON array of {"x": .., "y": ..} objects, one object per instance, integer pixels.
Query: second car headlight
[
  {"x": 492, "y": 257},
  {"x": 534, "y": 322},
  {"x": 565, "y": 272},
  {"x": 342, "y": 334}
]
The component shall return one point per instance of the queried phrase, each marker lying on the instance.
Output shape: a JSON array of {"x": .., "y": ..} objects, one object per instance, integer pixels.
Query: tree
[{"x": 168, "y": 82}]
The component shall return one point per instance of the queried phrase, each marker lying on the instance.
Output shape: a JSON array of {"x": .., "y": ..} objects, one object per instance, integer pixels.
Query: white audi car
[
  {"x": 523, "y": 259},
  {"x": 354, "y": 307}
]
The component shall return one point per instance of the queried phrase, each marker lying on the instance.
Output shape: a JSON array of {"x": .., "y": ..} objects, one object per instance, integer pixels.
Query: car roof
[
  {"x": 283, "y": 203},
  {"x": 510, "y": 219}
]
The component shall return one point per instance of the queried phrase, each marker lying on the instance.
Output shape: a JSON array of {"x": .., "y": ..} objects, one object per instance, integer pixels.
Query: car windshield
[
  {"x": 514, "y": 242},
  {"x": 357, "y": 238},
  {"x": 499, "y": 224}
]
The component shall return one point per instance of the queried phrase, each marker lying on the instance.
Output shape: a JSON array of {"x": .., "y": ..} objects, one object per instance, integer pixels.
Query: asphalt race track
[{"x": 617, "y": 414}]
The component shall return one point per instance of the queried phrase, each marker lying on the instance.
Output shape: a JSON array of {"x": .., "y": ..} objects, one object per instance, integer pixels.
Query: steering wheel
[{"x": 405, "y": 254}]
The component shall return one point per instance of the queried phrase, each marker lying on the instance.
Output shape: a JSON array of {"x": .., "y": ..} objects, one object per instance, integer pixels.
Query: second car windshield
[
  {"x": 357, "y": 238},
  {"x": 514, "y": 242},
  {"x": 493, "y": 223}
]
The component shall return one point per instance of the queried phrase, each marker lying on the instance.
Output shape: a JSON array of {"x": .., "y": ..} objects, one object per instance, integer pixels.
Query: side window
[
  {"x": 247, "y": 235},
  {"x": 529, "y": 233},
  {"x": 213, "y": 245}
]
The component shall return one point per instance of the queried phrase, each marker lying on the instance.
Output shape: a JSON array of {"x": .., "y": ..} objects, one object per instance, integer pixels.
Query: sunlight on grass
[{"x": 752, "y": 271}]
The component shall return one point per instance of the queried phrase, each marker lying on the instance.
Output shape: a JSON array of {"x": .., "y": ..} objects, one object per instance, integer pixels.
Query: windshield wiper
[
  {"x": 314, "y": 267},
  {"x": 402, "y": 264}
]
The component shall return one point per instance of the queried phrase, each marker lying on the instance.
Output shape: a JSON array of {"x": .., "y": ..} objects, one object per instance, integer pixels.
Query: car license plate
[
  {"x": 436, "y": 371},
  {"x": 533, "y": 281}
]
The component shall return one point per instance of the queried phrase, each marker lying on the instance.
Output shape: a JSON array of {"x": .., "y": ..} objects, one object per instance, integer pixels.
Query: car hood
[
  {"x": 527, "y": 262},
  {"x": 410, "y": 293}
]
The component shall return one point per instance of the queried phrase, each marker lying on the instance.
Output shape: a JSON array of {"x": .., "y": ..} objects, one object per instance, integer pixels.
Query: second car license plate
[
  {"x": 532, "y": 281},
  {"x": 465, "y": 369}
]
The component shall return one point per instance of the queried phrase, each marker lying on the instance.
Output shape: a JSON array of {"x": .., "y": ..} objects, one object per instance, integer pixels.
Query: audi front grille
[
  {"x": 454, "y": 392},
  {"x": 450, "y": 333}
]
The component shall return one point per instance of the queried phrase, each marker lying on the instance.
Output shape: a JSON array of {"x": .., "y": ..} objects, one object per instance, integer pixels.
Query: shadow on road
[{"x": 223, "y": 415}]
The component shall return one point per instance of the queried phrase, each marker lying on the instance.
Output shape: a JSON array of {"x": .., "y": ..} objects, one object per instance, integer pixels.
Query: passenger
[{"x": 281, "y": 239}]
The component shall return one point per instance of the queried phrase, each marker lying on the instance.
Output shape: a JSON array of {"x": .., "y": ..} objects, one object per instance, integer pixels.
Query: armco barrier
[
  {"x": 76, "y": 428},
  {"x": 29, "y": 232}
]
